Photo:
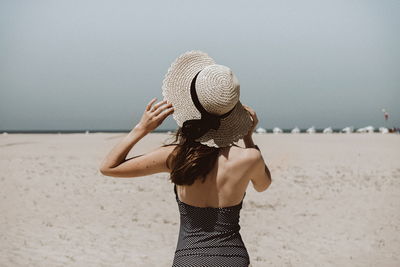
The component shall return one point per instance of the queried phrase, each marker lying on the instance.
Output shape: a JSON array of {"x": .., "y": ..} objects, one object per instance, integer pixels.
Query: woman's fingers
[
  {"x": 154, "y": 115},
  {"x": 250, "y": 110},
  {"x": 148, "y": 107},
  {"x": 253, "y": 114},
  {"x": 163, "y": 115},
  {"x": 156, "y": 106},
  {"x": 161, "y": 109}
]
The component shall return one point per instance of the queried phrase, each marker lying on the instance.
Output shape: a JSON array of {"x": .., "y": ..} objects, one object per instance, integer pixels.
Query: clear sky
[{"x": 67, "y": 65}]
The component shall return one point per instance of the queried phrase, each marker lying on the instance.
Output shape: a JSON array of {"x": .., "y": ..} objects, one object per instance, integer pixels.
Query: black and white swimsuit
[{"x": 209, "y": 237}]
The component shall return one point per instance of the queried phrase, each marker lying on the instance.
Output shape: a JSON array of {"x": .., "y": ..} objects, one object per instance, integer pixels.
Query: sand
[{"x": 334, "y": 201}]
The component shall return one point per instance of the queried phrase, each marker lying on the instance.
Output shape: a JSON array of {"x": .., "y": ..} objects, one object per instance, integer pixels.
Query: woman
[{"x": 210, "y": 173}]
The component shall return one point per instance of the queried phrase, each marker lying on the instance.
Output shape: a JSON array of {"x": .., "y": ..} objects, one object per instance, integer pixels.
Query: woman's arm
[
  {"x": 115, "y": 164},
  {"x": 260, "y": 174},
  {"x": 118, "y": 154}
]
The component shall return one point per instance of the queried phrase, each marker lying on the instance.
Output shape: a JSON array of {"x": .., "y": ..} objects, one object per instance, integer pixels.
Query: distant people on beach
[{"x": 394, "y": 130}]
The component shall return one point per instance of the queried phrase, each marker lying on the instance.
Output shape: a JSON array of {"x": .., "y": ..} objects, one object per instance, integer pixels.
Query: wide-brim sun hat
[{"x": 206, "y": 95}]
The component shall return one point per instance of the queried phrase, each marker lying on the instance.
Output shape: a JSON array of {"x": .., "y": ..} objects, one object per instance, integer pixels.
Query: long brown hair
[{"x": 190, "y": 160}]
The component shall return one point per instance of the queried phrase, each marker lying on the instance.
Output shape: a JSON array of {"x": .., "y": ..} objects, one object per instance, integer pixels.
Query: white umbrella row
[{"x": 311, "y": 130}]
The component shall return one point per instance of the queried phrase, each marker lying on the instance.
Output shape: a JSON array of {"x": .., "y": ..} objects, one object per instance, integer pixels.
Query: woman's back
[{"x": 225, "y": 185}]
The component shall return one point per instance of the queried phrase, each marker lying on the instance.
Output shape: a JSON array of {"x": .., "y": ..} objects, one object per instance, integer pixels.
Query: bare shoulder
[
  {"x": 168, "y": 151},
  {"x": 242, "y": 158},
  {"x": 168, "y": 147},
  {"x": 245, "y": 154}
]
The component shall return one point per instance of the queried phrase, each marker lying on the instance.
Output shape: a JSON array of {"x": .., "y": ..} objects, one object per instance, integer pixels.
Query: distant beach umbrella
[
  {"x": 348, "y": 129},
  {"x": 370, "y": 129},
  {"x": 295, "y": 130},
  {"x": 5, "y": 133},
  {"x": 383, "y": 130},
  {"x": 328, "y": 130},
  {"x": 361, "y": 130},
  {"x": 277, "y": 130},
  {"x": 311, "y": 130},
  {"x": 260, "y": 130}
]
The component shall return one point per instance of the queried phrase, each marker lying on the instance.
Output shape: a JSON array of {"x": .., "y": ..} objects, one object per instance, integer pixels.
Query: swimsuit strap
[{"x": 176, "y": 194}]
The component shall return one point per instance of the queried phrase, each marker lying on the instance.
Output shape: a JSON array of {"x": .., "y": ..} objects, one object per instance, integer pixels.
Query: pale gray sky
[{"x": 95, "y": 64}]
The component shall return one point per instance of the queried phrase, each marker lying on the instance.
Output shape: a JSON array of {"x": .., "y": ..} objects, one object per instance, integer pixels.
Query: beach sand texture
[{"x": 334, "y": 201}]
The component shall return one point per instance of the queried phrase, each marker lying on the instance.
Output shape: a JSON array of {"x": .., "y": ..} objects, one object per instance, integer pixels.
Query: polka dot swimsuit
[{"x": 209, "y": 237}]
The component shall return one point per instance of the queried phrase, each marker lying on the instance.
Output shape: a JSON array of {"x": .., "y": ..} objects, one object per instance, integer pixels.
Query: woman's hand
[
  {"x": 154, "y": 116},
  {"x": 254, "y": 118}
]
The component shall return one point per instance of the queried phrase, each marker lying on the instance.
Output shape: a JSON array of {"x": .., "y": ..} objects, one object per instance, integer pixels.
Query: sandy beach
[{"x": 334, "y": 201}]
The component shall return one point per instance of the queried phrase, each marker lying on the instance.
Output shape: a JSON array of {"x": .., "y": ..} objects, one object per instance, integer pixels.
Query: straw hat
[{"x": 205, "y": 97}]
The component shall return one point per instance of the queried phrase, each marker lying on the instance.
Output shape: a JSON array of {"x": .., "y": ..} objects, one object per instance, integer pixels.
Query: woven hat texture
[{"x": 218, "y": 91}]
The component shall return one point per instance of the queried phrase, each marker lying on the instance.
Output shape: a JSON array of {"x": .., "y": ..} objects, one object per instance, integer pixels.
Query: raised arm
[
  {"x": 259, "y": 173},
  {"x": 115, "y": 163}
]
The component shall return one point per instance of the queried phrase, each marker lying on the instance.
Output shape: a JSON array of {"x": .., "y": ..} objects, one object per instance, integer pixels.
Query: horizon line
[{"x": 268, "y": 130}]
